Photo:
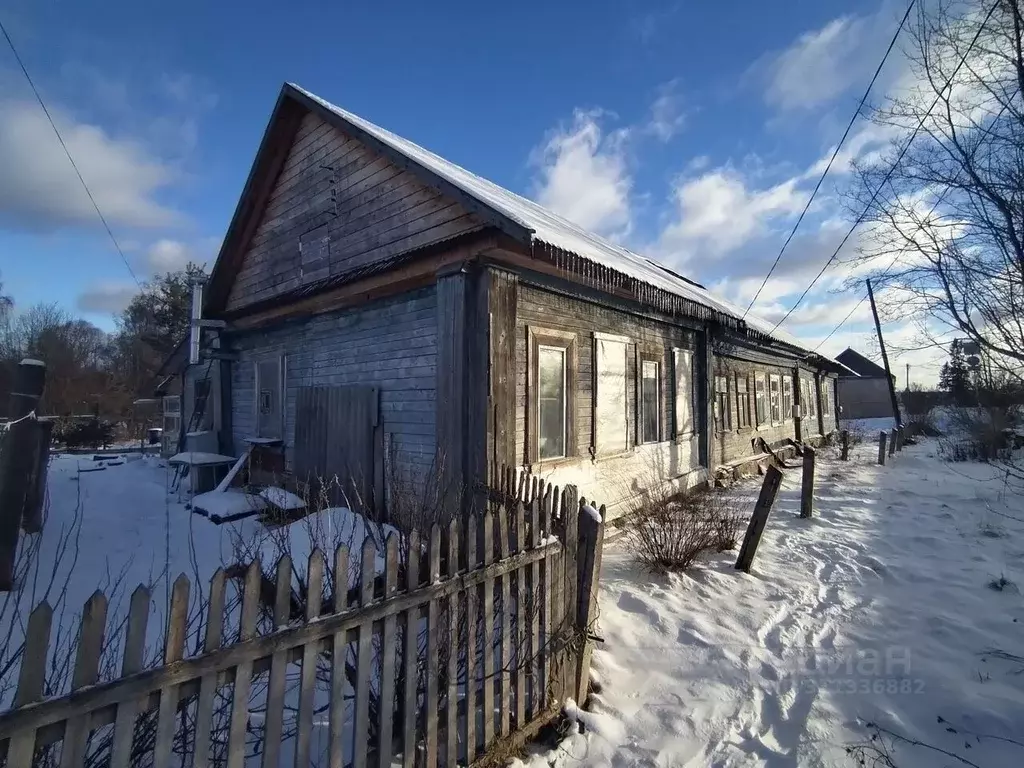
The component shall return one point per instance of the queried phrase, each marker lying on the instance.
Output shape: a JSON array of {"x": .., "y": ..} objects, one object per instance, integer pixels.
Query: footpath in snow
[{"x": 883, "y": 608}]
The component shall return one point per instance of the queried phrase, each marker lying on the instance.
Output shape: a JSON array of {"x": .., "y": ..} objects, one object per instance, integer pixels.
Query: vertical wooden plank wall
[
  {"x": 503, "y": 298},
  {"x": 451, "y": 371}
]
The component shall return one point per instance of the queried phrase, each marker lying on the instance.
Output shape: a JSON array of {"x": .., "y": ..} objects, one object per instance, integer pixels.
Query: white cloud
[
  {"x": 824, "y": 63},
  {"x": 39, "y": 189},
  {"x": 716, "y": 213},
  {"x": 167, "y": 255},
  {"x": 107, "y": 298},
  {"x": 815, "y": 68},
  {"x": 667, "y": 116},
  {"x": 583, "y": 175}
]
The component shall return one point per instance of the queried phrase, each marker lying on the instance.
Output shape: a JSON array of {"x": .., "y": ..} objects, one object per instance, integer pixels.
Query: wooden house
[
  {"x": 864, "y": 387},
  {"x": 388, "y": 313}
]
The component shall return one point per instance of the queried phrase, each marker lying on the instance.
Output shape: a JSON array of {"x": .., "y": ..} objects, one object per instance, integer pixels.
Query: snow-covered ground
[
  {"x": 115, "y": 522},
  {"x": 883, "y": 608}
]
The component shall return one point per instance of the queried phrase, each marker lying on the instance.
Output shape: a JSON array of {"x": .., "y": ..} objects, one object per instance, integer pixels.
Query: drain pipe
[{"x": 195, "y": 329}]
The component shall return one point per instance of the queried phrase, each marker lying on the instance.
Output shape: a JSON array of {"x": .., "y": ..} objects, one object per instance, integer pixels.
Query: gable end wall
[{"x": 333, "y": 186}]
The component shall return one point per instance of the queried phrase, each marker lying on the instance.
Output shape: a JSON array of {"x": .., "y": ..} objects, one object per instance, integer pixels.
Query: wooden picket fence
[{"x": 459, "y": 653}]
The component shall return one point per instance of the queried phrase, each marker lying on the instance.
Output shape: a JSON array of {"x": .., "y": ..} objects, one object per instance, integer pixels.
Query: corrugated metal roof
[{"x": 551, "y": 228}]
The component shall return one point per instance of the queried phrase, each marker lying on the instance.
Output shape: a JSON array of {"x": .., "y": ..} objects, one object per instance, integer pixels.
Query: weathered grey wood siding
[
  {"x": 391, "y": 344},
  {"x": 368, "y": 208},
  {"x": 736, "y": 442},
  {"x": 547, "y": 310}
]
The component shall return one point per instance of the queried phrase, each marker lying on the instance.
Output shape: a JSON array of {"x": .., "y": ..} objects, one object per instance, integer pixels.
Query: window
[
  {"x": 742, "y": 403},
  {"x": 787, "y": 397},
  {"x": 649, "y": 388},
  {"x": 551, "y": 411},
  {"x": 775, "y": 395},
  {"x": 610, "y": 404},
  {"x": 826, "y": 397},
  {"x": 810, "y": 401},
  {"x": 172, "y": 415},
  {"x": 551, "y": 405},
  {"x": 723, "y": 417},
  {"x": 683, "y": 364},
  {"x": 760, "y": 398}
]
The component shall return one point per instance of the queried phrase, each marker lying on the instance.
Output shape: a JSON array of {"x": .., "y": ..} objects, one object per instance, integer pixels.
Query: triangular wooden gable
[{"x": 324, "y": 200}]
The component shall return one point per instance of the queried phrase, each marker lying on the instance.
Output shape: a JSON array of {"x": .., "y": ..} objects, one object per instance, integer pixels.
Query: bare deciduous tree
[{"x": 945, "y": 203}]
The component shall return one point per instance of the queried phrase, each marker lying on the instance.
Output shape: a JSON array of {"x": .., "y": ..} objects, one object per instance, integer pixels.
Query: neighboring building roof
[
  {"x": 860, "y": 365},
  {"x": 516, "y": 215}
]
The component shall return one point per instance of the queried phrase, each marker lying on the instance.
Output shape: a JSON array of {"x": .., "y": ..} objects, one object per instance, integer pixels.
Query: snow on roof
[{"x": 555, "y": 230}]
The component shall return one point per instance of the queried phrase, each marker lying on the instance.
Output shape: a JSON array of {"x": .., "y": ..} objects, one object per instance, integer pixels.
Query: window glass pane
[
  {"x": 742, "y": 403},
  {"x": 684, "y": 391},
  {"x": 761, "y": 398},
  {"x": 774, "y": 389},
  {"x": 649, "y": 402},
  {"x": 610, "y": 409},
  {"x": 551, "y": 402}
]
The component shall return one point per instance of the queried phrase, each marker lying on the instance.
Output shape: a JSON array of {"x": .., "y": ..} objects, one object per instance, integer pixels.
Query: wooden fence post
[
  {"x": 881, "y": 448},
  {"x": 758, "y": 520},
  {"x": 17, "y": 449},
  {"x": 845, "y": 437},
  {"x": 892, "y": 443},
  {"x": 35, "y": 494},
  {"x": 591, "y": 538},
  {"x": 899, "y": 438},
  {"x": 807, "y": 488}
]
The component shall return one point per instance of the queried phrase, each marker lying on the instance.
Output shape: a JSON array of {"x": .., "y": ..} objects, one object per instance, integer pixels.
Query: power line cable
[
  {"x": 67, "y": 152},
  {"x": 920, "y": 227},
  {"x": 884, "y": 274},
  {"x": 891, "y": 170},
  {"x": 835, "y": 154}
]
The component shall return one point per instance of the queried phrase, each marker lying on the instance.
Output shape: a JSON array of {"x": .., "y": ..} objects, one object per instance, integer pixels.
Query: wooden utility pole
[
  {"x": 885, "y": 359},
  {"x": 758, "y": 520},
  {"x": 807, "y": 486},
  {"x": 18, "y": 449}
]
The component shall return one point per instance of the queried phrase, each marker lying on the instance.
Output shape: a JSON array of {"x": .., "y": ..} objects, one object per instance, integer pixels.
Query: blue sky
[{"x": 688, "y": 130}]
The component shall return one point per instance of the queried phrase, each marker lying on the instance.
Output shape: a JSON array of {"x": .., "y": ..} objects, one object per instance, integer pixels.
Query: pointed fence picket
[{"x": 450, "y": 665}]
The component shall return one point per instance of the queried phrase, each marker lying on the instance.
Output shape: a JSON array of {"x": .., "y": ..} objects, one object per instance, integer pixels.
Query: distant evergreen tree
[{"x": 955, "y": 376}]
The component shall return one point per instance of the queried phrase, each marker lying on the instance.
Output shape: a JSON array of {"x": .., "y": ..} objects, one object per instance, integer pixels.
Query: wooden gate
[{"x": 339, "y": 445}]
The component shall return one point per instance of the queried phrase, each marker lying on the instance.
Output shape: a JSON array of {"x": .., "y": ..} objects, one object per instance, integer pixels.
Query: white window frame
[
  {"x": 787, "y": 407},
  {"x": 623, "y": 445},
  {"x": 775, "y": 399},
  {"x": 826, "y": 397},
  {"x": 742, "y": 409},
  {"x": 538, "y": 336},
  {"x": 171, "y": 412},
  {"x": 721, "y": 404},
  {"x": 812, "y": 396},
  {"x": 565, "y": 401},
  {"x": 766, "y": 397},
  {"x": 643, "y": 403}
]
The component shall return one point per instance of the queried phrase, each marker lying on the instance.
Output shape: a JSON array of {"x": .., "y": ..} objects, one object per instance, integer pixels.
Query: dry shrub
[
  {"x": 668, "y": 532},
  {"x": 981, "y": 434},
  {"x": 725, "y": 521}
]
